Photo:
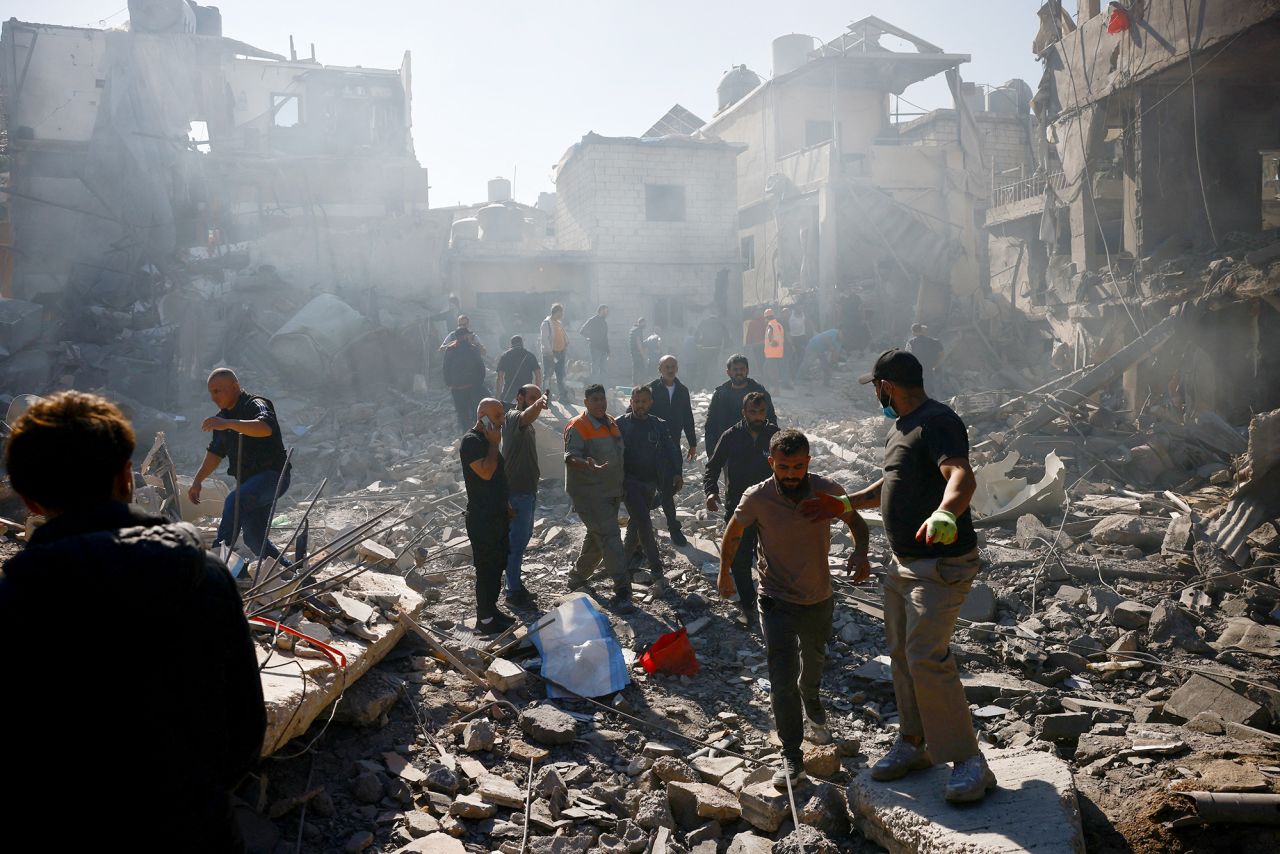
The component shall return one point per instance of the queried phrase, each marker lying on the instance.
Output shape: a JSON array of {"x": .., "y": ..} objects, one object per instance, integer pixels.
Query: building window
[
  {"x": 749, "y": 252},
  {"x": 817, "y": 132},
  {"x": 286, "y": 111},
  {"x": 664, "y": 203}
]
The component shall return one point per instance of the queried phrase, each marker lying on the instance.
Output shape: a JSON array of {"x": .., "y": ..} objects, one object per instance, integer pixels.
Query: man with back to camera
[
  {"x": 520, "y": 451},
  {"x": 671, "y": 403},
  {"x": 796, "y": 596},
  {"x": 651, "y": 466},
  {"x": 924, "y": 495},
  {"x": 516, "y": 369},
  {"x": 247, "y": 434},
  {"x": 463, "y": 372},
  {"x": 488, "y": 512},
  {"x": 593, "y": 475},
  {"x": 743, "y": 455},
  {"x": 174, "y": 728},
  {"x": 596, "y": 331},
  {"x": 726, "y": 401}
]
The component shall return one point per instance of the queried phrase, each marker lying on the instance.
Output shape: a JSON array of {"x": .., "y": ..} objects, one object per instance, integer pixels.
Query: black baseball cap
[{"x": 896, "y": 366}]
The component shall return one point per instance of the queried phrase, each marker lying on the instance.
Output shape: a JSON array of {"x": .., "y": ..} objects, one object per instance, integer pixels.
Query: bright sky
[{"x": 504, "y": 88}]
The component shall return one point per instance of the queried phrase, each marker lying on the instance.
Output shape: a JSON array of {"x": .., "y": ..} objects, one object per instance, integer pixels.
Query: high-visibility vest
[{"x": 774, "y": 340}]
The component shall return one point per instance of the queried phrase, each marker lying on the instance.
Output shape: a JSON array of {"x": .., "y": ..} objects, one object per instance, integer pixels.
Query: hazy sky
[{"x": 503, "y": 88}]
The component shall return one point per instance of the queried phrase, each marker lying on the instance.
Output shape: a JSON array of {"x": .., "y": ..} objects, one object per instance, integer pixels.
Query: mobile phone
[{"x": 487, "y": 423}]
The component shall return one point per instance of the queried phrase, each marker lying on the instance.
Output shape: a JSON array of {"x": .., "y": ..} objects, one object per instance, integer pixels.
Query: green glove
[{"x": 940, "y": 528}]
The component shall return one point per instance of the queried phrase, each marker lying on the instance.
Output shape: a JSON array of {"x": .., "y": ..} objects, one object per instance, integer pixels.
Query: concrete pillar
[
  {"x": 1086, "y": 9},
  {"x": 1084, "y": 233}
]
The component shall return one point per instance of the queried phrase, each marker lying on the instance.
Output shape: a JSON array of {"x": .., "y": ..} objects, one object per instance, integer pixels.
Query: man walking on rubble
[
  {"x": 929, "y": 351},
  {"x": 520, "y": 450},
  {"x": 924, "y": 495},
  {"x": 596, "y": 331},
  {"x": 593, "y": 474},
  {"x": 635, "y": 342},
  {"x": 174, "y": 728},
  {"x": 743, "y": 455},
  {"x": 247, "y": 434},
  {"x": 650, "y": 466},
  {"x": 488, "y": 512},
  {"x": 555, "y": 345},
  {"x": 672, "y": 404},
  {"x": 796, "y": 597},
  {"x": 464, "y": 373},
  {"x": 727, "y": 399},
  {"x": 516, "y": 369}
]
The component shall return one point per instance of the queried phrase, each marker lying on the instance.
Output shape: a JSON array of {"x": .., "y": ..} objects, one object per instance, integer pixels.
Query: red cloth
[
  {"x": 671, "y": 653},
  {"x": 1119, "y": 21}
]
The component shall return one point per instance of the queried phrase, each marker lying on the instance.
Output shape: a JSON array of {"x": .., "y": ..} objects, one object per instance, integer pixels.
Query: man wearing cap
[{"x": 924, "y": 498}]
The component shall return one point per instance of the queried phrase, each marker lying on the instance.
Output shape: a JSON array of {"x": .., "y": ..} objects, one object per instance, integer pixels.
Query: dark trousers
[
  {"x": 557, "y": 361},
  {"x": 795, "y": 641},
  {"x": 465, "y": 401},
  {"x": 744, "y": 561},
  {"x": 640, "y": 498},
  {"x": 668, "y": 495},
  {"x": 256, "y": 495},
  {"x": 489, "y": 549}
]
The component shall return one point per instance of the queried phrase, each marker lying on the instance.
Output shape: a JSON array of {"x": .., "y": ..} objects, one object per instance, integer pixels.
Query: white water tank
[
  {"x": 499, "y": 190},
  {"x": 791, "y": 52},
  {"x": 737, "y": 83}
]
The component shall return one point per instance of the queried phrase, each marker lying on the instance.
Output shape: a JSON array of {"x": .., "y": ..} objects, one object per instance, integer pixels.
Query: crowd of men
[{"x": 199, "y": 728}]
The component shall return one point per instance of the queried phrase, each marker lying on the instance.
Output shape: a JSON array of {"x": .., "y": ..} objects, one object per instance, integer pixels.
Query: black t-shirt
[
  {"x": 927, "y": 350},
  {"x": 516, "y": 366},
  {"x": 486, "y": 499},
  {"x": 259, "y": 455},
  {"x": 913, "y": 483}
]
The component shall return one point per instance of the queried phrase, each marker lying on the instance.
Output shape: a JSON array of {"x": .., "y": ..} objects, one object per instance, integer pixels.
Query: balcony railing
[{"x": 1013, "y": 186}]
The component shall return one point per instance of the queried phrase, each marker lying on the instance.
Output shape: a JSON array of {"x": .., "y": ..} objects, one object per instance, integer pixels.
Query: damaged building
[{"x": 144, "y": 163}]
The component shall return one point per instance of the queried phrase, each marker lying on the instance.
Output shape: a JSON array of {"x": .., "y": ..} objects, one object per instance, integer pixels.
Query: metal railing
[{"x": 1005, "y": 191}]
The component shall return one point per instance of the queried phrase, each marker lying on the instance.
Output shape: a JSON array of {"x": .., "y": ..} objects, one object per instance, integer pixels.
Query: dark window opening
[
  {"x": 749, "y": 252},
  {"x": 664, "y": 203}
]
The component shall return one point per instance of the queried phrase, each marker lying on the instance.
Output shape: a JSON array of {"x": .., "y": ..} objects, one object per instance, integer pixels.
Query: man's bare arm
[
  {"x": 210, "y": 464},
  {"x": 869, "y": 498},
  {"x": 961, "y": 485},
  {"x": 728, "y": 551},
  {"x": 485, "y": 469},
  {"x": 531, "y": 412}
]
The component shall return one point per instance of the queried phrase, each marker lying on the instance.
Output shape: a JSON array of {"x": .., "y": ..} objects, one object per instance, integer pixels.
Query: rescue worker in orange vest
[{"x": 775, "y": 351}]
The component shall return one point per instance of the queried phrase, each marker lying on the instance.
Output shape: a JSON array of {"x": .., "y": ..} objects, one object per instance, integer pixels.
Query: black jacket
[
  {"x": 596, "y": 331},
  {"x": 676, "y": 410},
  {"x": 463, "y": 366},
  {"x": 128, "y": 668},
  {"x": 726, "y": 410},
  {"x": 657, "y": 461},
  {"x": 744, "y": 460}
]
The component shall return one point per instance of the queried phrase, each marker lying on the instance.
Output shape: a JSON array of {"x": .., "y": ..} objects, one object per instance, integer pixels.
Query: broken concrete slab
[
  {"x": 763, "y": 806},
  {"x": 1130, "y": 615},
  {"x": 1213, "y": 694},
  {"x": 503, "y": 675},
  {"x": 1123, "y": 529},
  {"x": 1034, "y": 809},
  {"x": 295, "y": 696},
  {"x": 1244, "y": 634},
  {"x": 693, "y": 803},
  {"x": 980, "y": 605},
  {"x": 548, "y": 725}
]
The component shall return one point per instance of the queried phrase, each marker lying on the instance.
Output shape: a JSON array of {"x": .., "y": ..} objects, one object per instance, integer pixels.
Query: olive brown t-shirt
[
  {"x": 793, "y": 550},
  {"x": 917, "y": 444}
]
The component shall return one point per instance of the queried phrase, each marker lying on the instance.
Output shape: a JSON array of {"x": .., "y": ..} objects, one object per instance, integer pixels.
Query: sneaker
[
  {"x": 970, "y": 780},
  {"x": 679, "y": 539},
  {"x": 816, "y": 733},
  {"x": 903, "y": 758},
  {"x": 576, "y": 581},
  {"x": 495, "y": 624},
  {"x": 520, "y": 597},
  {"x": 621, "y": 604},
  {"x": 789, "y": 770}
]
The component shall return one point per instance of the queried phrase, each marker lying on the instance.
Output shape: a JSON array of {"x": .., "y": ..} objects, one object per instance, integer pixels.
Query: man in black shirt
[
  {"x": 183, "y": 724},
  {"x": 924, "y": 496},
  {"x": 517, "y": 368},
  {"x": 929, "y": 351},
  {"x": 247, "y": 434},
  {"x": 464, "y": 372},
  {"x": 726, "y": 401},
  {"x": 671, "y": 403},
  {"x": 488, "y": 512},
  {"x": 743, "y": 455},
  {"x": 650, "y": 464}
]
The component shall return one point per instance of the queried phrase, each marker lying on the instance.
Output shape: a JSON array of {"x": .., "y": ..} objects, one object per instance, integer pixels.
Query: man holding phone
[{"x": 488, "y": 512}]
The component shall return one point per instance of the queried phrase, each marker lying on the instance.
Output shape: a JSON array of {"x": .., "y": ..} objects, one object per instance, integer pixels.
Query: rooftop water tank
[
  {"x": 161, "y": 16},
  {"x": 791, "y": 52},
  {"x": 736, "y": 84},
  {"x": 1013, "y": 98},
  {"x": 500, "y": 222},
  {"x": 972, "y": 94},
  {"x": 499, "y": 190}
]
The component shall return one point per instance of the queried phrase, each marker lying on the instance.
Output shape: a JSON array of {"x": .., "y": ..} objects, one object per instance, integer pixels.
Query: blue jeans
[
  {"x": 255, "y": 494},
  {"x": 521, "y": 531}
]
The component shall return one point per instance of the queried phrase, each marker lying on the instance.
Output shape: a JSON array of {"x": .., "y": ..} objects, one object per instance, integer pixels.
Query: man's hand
[
  {"x": 595, "y": 465},
  {"x": 693, "y": 452},
  {"x": 939, "y": 528},
  {"x": 494, "y": 436},
  {"x": 677, "y": 483},
  {"x": 859, "y": 567},
  {"x": 822, "y": 507},
  {"x": 713, "y": 504},
  {"x": 213, "y": 423},
  {"x": 194, "y": 492},
  {"x": 724, "y": 583}
]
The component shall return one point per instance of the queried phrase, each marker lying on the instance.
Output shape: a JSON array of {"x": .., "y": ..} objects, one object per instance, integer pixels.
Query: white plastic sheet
[
  {"x": 1000, "y": 497},
  {"x": 579, "y": 651}
]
